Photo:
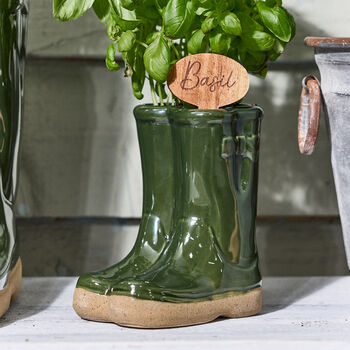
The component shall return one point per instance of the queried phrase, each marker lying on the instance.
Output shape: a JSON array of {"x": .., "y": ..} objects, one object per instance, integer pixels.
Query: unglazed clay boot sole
[
  {"x": 10, "y": 292},
  {"x": 132, "y": 312}
]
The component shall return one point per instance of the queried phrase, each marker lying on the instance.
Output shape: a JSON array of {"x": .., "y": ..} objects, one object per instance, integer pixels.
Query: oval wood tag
[{"x": 208, "y": 80}]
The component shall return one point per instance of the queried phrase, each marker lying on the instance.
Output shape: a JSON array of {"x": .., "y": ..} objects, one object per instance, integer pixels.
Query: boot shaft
[
  {"x": 216, "y": 165},
  {"x": 156, "y": 150},
  {"x": 13, "y": 21}
]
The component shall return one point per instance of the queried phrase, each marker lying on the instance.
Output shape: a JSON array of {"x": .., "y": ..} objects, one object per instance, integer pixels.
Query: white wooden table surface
[{"x": 298, "y": 313}]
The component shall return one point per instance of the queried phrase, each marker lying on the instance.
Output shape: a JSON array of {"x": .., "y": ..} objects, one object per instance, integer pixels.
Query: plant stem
[
  {"x": 160, "y": 95},
  {"x": 159, "y": 8},
  {"x": 141, "y": 43},
  {"x": 153, "y": 92},
  {"x": 178, "y": 56}
]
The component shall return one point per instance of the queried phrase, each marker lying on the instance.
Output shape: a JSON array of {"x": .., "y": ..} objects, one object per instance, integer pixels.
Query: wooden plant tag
[{"x": 208, "y": 80}]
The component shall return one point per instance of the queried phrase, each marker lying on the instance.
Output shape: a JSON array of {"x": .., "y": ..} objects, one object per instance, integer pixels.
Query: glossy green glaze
[
  {"x": 13, "y": 20},
  {"x": 154, "y": 134},
  {"x": 211, "y": 251}
]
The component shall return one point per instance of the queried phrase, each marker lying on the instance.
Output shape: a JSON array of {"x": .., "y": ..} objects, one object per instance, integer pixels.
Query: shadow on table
[
  {"x": 279, "y": 293},
  {"x": 37, "y": 295}
]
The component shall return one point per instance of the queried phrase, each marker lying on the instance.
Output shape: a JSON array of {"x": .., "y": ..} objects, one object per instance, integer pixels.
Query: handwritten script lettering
[{"x": 193, "y": 78}]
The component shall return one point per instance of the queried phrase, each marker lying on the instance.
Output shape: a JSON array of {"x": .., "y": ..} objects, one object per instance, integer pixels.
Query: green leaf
[
  {"x": 291, "y": 23},
  {"x": 262, "y": 73},
  {"x": 149, "y": 13},
  {"x": 151, "y": 37},
  {"x": 270, "y": 3},
  {"x": 219, "y": 42},
  {"x": 230, "y": 24},
  {"x": 66, "y": 10},
  {"x": 110, "y": 58},
  {"x": 197, "y": 43},
  {"x": 277, "y": 50},
  {"x": 276, "y": 20},
  {"x": 113, "y": 30},
  {"x": 126, "y": 41},
  {"x": 102, "y": 8},
  {"x": 202, "y": 6},
  {"x": 125, "y": 19},
  {"x": 127, "y": 4},
  {"x": 177, "y": 17},
  {"x": 201, "y": 11},
  {"x": 248, "y": 24},
  {"x": 135, "y": 60},
  {"x": 157, "y": 59},
  {"x": 279, "y": 46},
  {"x": 233, "y": 53},
  {"x": 258, "y": 41},
  {"x": 208, "y": 24},
  {"x": 252, "y": 60}
]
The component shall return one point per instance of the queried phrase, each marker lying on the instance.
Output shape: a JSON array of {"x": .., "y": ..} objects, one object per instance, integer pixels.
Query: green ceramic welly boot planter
[
  {"x": 210, "y": 265},
  {"x": 154, "y": 135},
  {"x": 12, "y": 53}
]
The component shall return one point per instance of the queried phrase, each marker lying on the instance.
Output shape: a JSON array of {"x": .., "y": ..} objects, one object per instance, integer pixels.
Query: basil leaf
[
  {"x": 66, "y": 10},
  {"x": 258, "y": 41},
  {"x": 252, "y": 60},
  {"x": 135, "y": 60},
  {"x": 201, "y": 11},
  {"x": 113, "y": 30},
  {"x": 277, "y": 50},
  {"x": 102, "y": 8},
  {"x": 233, "y": 53},
  {"x": 279, "y": 46},
  {"x": 127, "y": 4},
  {"x": 231, "y": 24},
  {"x": 177, "y": 17},
  {"x": 276, "y": 20},
  {"x": 125, "y": 19},
  {"x": 270, "y": 3},
  {"x": 291, "y": 23},
  {"x": 110, "y": 58},
  {"x": 197, "y": 43},
  {"x": 248, "y": 24},
  {"x": 157, "y": 59},
  {"x": 208, "y": 24},
  {"x": 126, "y": 41},
  {"x": 151, "y": 37},
  {"x": 149, "y": 13},
  {"x": 219, "y": 42}
]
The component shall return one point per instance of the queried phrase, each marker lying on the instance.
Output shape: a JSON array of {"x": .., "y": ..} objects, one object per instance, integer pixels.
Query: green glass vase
[
  {"x": 13, "y": 20},
  {"x": 209, "y": 266}
]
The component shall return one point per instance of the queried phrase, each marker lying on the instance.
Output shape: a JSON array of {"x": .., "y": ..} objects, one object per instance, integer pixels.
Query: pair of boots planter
[
  {"x": 333, "y": 59},
  {"x": 13, "y": 15},
  {"x": 195, "y": 256}
]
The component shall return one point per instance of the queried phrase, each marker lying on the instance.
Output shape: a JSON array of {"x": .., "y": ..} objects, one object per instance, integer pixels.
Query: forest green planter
[
  {"x": 13, "y": 20},
  {"x": 200, "y": 173}
]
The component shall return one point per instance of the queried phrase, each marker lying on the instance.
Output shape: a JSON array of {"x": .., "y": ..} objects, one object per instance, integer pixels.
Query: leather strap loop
[{"x": 309, "y": 114}]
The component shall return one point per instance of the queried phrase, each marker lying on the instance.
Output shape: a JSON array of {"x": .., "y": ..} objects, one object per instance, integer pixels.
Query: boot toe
[{"x": 94, "y": 283}]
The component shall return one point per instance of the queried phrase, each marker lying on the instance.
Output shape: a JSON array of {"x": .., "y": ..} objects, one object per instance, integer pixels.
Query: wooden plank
[
  {"x": 287, "y": 246},
  {"x": 310, "y": 311}
]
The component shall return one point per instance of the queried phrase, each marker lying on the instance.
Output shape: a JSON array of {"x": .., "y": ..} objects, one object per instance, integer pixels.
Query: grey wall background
[{"x": 79, "y": 151}]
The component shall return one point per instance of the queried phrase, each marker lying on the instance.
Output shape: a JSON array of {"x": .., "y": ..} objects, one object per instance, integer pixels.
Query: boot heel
[
  {"x": 242, "y": 305},
  {"x": 10, "y": 292}
]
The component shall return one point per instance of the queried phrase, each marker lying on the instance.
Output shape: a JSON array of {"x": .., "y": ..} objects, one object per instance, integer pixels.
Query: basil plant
[{"x": 151, "y": 35}]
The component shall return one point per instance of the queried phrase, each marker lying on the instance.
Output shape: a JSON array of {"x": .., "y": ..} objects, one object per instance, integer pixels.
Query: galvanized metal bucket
[{"x": 332, "y": 56}]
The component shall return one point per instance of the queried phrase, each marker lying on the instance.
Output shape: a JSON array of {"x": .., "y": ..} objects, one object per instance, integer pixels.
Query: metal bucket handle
[{"x": 309, "y": 114}]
